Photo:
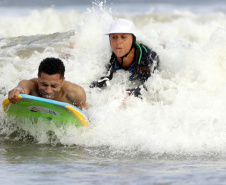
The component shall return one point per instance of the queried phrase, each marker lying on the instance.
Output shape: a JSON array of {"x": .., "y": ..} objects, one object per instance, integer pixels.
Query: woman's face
[{"x": 121, "y": 43}]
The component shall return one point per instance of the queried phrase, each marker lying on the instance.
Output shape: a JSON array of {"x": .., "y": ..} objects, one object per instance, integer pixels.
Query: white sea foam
[{"x": 183, "y": 110}]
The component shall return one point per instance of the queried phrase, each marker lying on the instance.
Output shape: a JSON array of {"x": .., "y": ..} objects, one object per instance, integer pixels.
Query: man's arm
[{"x": 24, "y": 87}]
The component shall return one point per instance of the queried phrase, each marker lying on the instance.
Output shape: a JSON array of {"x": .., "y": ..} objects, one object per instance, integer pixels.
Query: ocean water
[{"x": 176, "y": 134}]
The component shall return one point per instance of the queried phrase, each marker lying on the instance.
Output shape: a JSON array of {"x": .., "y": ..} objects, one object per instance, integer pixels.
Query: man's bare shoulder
[
  {"x": 32, "y": 84},
  {"x": 72, "y": 87},
  {"x": 34, "y": 81},
  {"x": 28, "y": 84},
  {"x": 75, "y": 94}
]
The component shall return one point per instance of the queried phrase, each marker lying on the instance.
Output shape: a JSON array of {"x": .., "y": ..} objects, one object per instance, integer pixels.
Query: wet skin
[{"x": 50, "y": 85}]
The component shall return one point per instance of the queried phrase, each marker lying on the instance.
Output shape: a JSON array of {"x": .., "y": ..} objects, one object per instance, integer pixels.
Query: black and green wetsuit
[{"x": 144, "y": 63}]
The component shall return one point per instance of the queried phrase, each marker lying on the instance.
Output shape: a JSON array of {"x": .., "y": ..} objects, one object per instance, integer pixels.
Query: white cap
[{"x": 122, "y": 26}]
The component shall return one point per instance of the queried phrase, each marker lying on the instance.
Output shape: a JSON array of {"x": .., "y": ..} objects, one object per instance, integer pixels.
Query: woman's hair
[
  {"x": 136, "y": 58},
  {"x": 51, "y": 66}
]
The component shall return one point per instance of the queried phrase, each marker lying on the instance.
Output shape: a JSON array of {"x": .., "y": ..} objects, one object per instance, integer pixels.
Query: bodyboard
[{"x": 34, "y": 108}]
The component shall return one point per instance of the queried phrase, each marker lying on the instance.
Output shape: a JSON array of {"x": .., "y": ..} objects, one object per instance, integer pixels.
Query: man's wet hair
[{"x": 51, "y": 66}]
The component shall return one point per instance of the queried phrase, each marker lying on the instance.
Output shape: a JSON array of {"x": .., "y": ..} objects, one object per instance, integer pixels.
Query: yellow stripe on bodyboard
[{"x": 79, "y": 115}]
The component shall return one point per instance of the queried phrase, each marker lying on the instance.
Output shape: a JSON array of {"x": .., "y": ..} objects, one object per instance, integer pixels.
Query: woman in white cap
[{"x": 129, "y": 55}]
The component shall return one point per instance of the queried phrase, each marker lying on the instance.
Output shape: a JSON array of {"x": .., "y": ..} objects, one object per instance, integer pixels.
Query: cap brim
[{"x": 117, "y": 32}]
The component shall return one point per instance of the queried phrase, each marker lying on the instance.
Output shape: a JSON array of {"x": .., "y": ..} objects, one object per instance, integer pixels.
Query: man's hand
[{"x": 13, "y": 94}]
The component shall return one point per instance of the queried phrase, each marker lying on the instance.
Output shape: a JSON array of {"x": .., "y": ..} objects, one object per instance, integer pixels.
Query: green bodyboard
[{"x": 35, "y": 108}]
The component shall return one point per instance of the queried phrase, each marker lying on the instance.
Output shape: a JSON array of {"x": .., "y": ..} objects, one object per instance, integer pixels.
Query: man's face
[{"x": 50, "y": 85}]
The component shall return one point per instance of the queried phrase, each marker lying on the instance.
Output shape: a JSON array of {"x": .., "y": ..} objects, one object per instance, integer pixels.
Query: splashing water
[{"x": 181, "y": 113}]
